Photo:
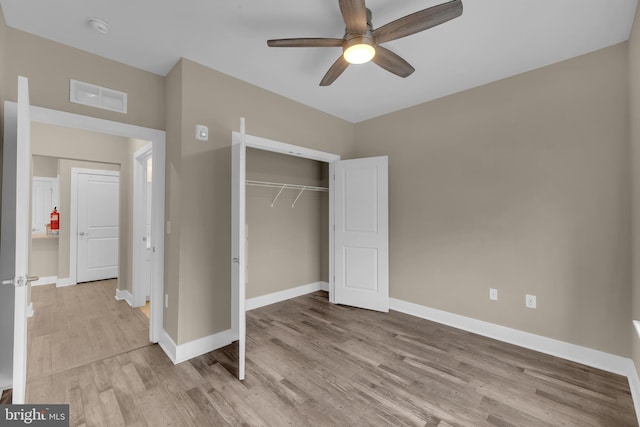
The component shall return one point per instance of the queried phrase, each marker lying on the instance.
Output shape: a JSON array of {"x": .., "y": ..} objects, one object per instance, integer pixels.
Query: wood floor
[
  {"x": 75, "y": 325},
  {"x": 311, "y": 363}
]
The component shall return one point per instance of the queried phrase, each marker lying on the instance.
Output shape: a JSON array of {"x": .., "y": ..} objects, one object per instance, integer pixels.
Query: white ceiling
[{"x": 493, "y": 39}]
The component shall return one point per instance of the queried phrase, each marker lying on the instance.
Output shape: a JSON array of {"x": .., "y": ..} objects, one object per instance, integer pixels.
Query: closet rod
[
  {"x": 283, "y": 186},
  {"x": 287, "y": 186}
]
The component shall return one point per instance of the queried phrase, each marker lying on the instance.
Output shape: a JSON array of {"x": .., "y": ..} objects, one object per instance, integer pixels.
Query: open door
[
  {"x": 238, "y": 239},
  {"x": 361, "y": 237},
  {"x": 14, "y": 243}
]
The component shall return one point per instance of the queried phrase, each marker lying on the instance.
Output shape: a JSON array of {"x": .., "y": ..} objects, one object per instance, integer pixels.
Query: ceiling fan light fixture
[{"x": 359, "y": 50}]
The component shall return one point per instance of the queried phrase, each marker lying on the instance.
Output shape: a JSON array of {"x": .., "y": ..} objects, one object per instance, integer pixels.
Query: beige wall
[
  {"x": 287, "y": 247},
  {"x": 199, "y": 198},
  {"x": 44, "y": 166},
  {"x": 634, "y": 104},
  {"x": 50, "y": 65},
  {"x": 84, "y": 149},
  {"x": 520, "y": 185}
]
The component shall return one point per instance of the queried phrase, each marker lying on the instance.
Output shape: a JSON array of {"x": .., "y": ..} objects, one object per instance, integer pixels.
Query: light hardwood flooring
[
  {"x": 311, "y": 363},
  {"x": 75, "y": 325}
]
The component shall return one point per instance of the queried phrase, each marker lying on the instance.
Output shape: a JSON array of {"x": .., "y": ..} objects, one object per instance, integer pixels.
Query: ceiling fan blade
[
  {"x": 334, "y": 72},
  {"x": 418, "y": 21},
  {"x": 392, "y": 62},
  {"x": 306, "y": 42},
  {"x": 354, "y": 13}
]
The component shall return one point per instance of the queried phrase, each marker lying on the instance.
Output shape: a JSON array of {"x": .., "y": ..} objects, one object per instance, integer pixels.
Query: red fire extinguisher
[{"x": 54, "y": 219}]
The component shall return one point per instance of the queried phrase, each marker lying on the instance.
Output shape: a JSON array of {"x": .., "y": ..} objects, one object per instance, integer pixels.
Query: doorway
[
  {"x": 358, "y": 229},
  {"x": 156, "y": 139}
]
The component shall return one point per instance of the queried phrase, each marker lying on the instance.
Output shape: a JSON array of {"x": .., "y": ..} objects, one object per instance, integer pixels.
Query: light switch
[{"x": 202, "y": 133}]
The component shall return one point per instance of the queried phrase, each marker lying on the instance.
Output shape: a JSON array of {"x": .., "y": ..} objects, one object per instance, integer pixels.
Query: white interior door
[
  {"x": 14, "y": 243},
  {"x": 146, "y": 240},
  {"x": 143, "y": 244},
  {"x": 361, "y": 236},
  {"x": 97, "y": 217}
]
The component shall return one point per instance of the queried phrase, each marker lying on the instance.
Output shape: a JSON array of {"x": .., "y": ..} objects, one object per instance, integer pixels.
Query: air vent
[{"x": 97, "y": 96}]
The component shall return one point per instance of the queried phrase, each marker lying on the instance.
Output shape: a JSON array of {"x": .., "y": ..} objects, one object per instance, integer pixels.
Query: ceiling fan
[{"x": 361, "y": 43}]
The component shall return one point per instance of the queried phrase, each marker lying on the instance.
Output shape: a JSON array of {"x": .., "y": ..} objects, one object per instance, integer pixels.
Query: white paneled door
[
  {"x": 98, "y": 226},
  {"x": 361, "y": 235},
  {"x": 14, "y": 246}
]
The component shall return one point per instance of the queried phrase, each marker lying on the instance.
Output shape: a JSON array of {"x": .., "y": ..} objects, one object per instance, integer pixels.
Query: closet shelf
[{"x": 282, "y": 186}]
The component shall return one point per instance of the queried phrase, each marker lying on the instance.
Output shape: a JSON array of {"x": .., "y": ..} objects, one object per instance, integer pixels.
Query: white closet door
[{"x": 361, "y": 235}]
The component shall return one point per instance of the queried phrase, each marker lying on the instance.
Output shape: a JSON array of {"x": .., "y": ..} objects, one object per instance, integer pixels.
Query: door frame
[
  {"x": 73, "y": 218},
  {"x": 139, "y": 179},
  {"x": 158, "y": 141},
  {"x": 240, "y": 141}
]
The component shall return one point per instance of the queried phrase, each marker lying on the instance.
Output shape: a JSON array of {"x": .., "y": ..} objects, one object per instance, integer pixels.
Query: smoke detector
[{"x": 99, "y": 25}]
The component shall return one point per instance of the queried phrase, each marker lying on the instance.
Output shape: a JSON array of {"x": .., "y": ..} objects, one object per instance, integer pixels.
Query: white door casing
[
  {"x": 361, "y": 236},
  {"x": 14, "y": 243},
  {"x": 158, "y": 141},
  {"x": 98, "y": 225},
  {"x": 239, "y": 143},
  {"x": 238, "y": 241}
]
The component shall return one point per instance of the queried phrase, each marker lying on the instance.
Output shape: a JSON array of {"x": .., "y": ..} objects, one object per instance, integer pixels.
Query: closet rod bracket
[
  {"x": 293, "y": 205},
  {"x": 278, "y": 195}
]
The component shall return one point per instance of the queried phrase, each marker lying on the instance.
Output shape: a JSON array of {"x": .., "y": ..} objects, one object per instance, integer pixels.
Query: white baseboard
[
  {"x": 263, "y": 300},
  {"x": 65, "y": 282},
  {"x": 586, "y": 356},
  {"x": 47, "y": 280},
  {"x": 191, "y": 349},
  {"x": 124, "y": 295},
  {"x": 30, "y": 310}
]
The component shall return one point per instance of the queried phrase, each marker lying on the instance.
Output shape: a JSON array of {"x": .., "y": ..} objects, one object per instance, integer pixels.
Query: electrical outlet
[
  {"x": 530, "y": 301},
  {"x": 166, "y": 300},
  {"x": 493, "y": 294}
]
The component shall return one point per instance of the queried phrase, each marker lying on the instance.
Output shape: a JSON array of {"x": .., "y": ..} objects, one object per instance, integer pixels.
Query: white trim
[
  {"x": 634, "y": 385},
  {"x": 60, "y": 283},
  {"x": 183, "y": 352},
  {"x": 288, "y": 149},
  {"x": 125, "y": 295},
  {"x": 30, "y": 311},
  {"x": 586, "y": 356},
  {"x": 45, "y": 280},
  {"x": 263, "y": 300},
  {"x": 73, "y": 215},
  {"x": 158, "y": 139}
]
